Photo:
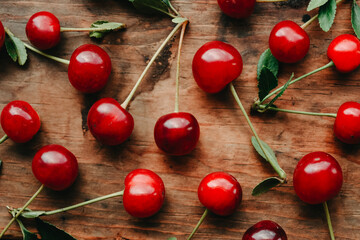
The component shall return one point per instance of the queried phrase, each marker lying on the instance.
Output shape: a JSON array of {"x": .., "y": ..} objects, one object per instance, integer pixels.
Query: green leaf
[
  {"x": 267, "y": 60},
  {"x": 268, "y": 149},
  {"x": 105, "y": 28},
  {"x": 32, "y": 214},
  {"x": 167, "y": 2},
  {"x": 48, "y": 231},
  {"x": 27, "y": 235},
  {"x": 266, "y": 185},
  {"x": 327, "y": 15},
  {"x": 315, "y": 4},
  {"x": 151, "y": 6},
  {"x": 266, "y": 82},
  {"x": 179, "y": 20},
  {"x": 281, "y": 92},
  {"x": 16, "y": 49},
  {"x": 355, "y": 18}
]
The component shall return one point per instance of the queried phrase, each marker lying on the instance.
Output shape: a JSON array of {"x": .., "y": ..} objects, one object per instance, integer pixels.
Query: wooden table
[{"x": 225, "y": 137}]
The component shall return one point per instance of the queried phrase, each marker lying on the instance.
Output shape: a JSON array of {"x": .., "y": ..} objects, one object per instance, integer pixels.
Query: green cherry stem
[
  {"x": 199, "y": 223},
  {"x": 328, "y": 219},
  {"x": 21, "y": 210},
  {"x": 330, "y": 64},
  {"x": 298, "y": 112},
  {"x": 91, "y": 29},
  {"x": 279, "y": 171},
  {"x": 4, "y": 138},
  {"x": 131, "y": 94},
  {"x": 173, "y": 9}
]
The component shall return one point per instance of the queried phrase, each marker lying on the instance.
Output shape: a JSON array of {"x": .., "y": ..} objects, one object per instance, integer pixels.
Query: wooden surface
[{"x": 225, "y": 138}]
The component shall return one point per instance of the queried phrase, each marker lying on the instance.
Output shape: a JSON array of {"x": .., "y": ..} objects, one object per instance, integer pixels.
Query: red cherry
[
  {"x": 55, "y": 167},
  {"x": 317, "y": 178},
  {"x": 344, "y": 51},
  {"x": 43, "y": 30},
  {"x": 89, "y": 68},
  {"x": 265, "y": 230},
  {"x": 347, "y": 123},
  {"x": 215, "y": 65},
  {"x": 20, "y": 121},
  {"x": 109, "y": 123},
  {"x": 144, "y": 193},
  {"x": 2, "y": 35},
  {"x": 220, "y": 192},
  {"x": 177, "y": 133},
  {"x": 288, "y": 42},
  {"x": 237, "y": 8}
]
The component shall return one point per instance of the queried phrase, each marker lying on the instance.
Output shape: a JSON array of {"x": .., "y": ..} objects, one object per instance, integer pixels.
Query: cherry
[
  {"x": 265, "y": 230},
  {"x": 144, "y": 193},
  {"x": 2, "y": 35},
  {"x": 347, "y": 123},
  {"x": 288, "y": 42},
  {"x": 344, "y": 51},
  {"x": 317, "y": 178},
  {"x": 215, "y": 65},
  {"x": 109, "y": 123},
  {"x": 43, "y": 30},
  {"x": 177, "y": 133},
  {"x": 89, "y": 68},
  {"x": 220, "y": 192},
  {"x": 20, "y": 121},
  {"x": 237, "y": 8},
  {"x": 55, "y": 167}
]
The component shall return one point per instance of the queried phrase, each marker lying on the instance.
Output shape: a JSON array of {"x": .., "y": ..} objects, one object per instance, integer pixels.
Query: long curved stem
[
  {"x": 21, "y": 210},
  {"x": 173, "y": 9},
  {"x": 299, "y": 112},
  {"x": 91, "y": 29},
  {"x": 328, "y": 219},
  {"x": 128, "y": 99},
  {"x": 330, "y": 64},
  {"x": 199, "y": 223},
  {"x": 4, "y": 138},
  {"x": 279, "y": 171}
]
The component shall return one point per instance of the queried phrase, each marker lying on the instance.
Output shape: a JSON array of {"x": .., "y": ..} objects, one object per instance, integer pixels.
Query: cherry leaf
[
  {"x": 151, "y": 6},
  {"x": 281, "y": 92},
  {"x": 167, "y": 2},
  {"x": 267, "y": 60},
  {"x": 16, "y": 49},
  {"x": 266, "y": 82},
  {"x": 27, "y": 235},
  {"x": 48, "y": 231},
  {"x": 266, "y": 185},
  {"x": 355, "y": 18},
  {"x": 32, "y": 214},
  {"x": 315, "y": 4},
  {"x": 327, "y": 15},
  {"x": 105, "y": 28}
]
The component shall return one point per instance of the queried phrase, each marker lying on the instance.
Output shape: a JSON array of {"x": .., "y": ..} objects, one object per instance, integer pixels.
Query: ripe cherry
[
  {"x": 89, "y": 68},
  {"x": 20, "y": 121},
  {"x": 237, "y": 8},
  {"x": 144, "y": 193},
  {"x": 265, "y": 230},
  {"x": 288, "y": 42},
  {"x": 344, "y": 51},
  {"x": 55, "y": 167},
  {"x": 177, "y": 133},
  {"x": 215, "y": 65},
  {"x": 2, "y": 35},
  {"x": 109, "y": 123},
  {"x": 317, "y": 178},
  {"x": 43, "y": 30},
  {"x": 347, "y": 123},
  {"x": 220, "y": 192}
]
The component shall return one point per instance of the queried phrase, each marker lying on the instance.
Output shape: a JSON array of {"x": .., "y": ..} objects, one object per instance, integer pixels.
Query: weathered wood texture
[{"x": 225, "y": 138}]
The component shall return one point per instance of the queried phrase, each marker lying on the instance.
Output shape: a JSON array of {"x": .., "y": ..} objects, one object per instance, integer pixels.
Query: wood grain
[{"x": 225, "y": 138}]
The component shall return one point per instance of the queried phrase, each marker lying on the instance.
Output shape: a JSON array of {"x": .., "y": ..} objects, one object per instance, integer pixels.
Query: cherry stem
[
  {"x": 4, "y": 138},
  {"x": 173, "y": 9},
  {"x": 279, "y": 171},
  {"x": 330, "y": 64},
  {"x": 128, "y": 99},
  {"x": 298, "y": 112},
  {"x": 21, "y": 210},
  {"x": 178, "y": 66},
  {"x": 91, "y": 29},
  {"x": 61, "y": 60},
  {"x": 328, "y": 219},
  {"x": 199, "y": 223}
]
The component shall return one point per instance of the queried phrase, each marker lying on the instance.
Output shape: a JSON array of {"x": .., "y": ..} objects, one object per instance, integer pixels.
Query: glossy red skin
[
  {"x": 288, "y": 42},
  {"x": 144, "y": 193},
  {"x": 20, "y": 121},
  {"x": 215, "y": 65},
  {"x": 344, "y": 51},
  {"x": 347, "y": 123},
  {"x": 43, "y": 30},
  {"x": 177, "y": 133},
  {"x": 220, "y": 192},
  {"x": 2, "y": 35},
  {"x": 237, "y": 8},
  {"x": 265, "y": 230},
  {"x": 89, "y": 68},
  {"x": 55, "y": 167},
  {"x": 317, "y": 178},
  {"x": 109, "y": 123}
]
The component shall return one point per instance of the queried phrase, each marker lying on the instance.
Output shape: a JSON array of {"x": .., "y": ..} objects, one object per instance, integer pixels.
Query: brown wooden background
[{"x": 225, "y": 138}]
